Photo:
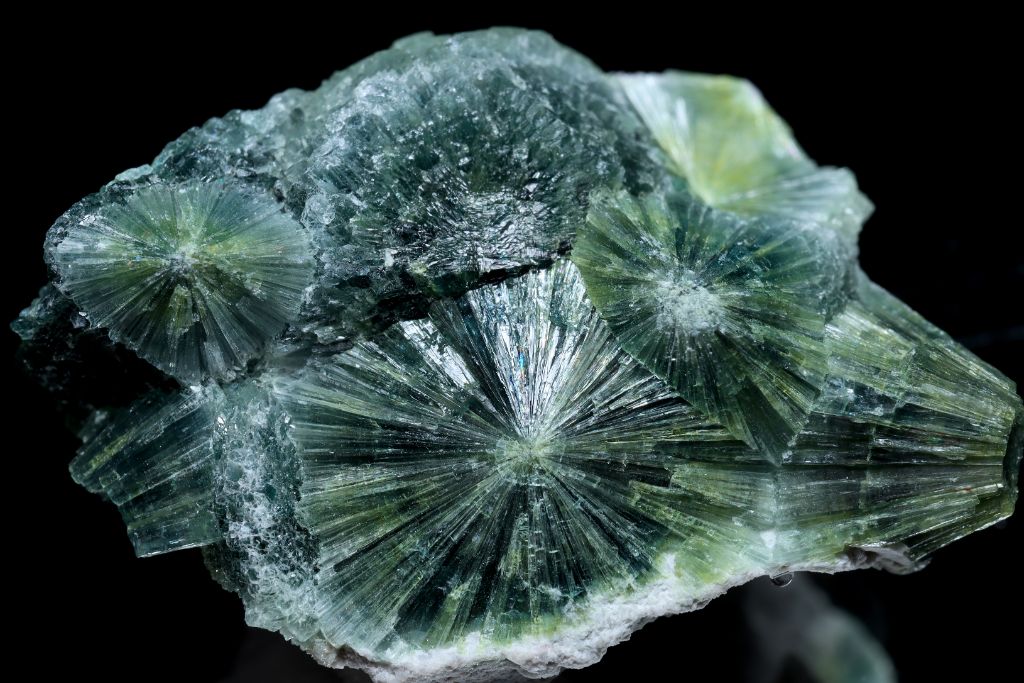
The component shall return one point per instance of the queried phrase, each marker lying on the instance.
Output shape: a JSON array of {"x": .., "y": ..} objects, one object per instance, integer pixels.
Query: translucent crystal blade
[
  {"x": 196, "y": 279},
  {"x": 729, "y": 311},
  {"x": 737, "y": 154},
  {"x": 900, "y": 392},
  {"x": 155, "y": 463}
]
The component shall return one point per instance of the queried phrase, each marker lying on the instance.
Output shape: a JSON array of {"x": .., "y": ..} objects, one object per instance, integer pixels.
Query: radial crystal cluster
[{"x": 474, "y": 360}]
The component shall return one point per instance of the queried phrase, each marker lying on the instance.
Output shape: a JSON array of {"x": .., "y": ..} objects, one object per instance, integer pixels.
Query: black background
[{"x": 921, "y": 111}]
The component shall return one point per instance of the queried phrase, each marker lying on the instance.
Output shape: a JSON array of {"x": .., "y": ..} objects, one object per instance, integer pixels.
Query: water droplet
[{"x": 783, "y": 579}]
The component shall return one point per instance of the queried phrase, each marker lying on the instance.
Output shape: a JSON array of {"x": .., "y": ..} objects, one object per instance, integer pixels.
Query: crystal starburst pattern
[{"x": 195, "y": 278}]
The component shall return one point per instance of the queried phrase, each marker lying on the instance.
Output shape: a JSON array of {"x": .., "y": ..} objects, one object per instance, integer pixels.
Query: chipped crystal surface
[{"x": 476, "y": 359}]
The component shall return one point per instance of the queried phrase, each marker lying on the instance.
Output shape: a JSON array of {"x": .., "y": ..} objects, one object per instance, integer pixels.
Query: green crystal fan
[
  {"x": 486, "y": 481},
  {"x": 729, "y": 311},
  {"x": 476, "y": 359},
  {"x": 195, "y": 278}
]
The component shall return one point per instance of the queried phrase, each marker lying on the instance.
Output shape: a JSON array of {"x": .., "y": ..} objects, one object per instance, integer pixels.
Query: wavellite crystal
[{"x": 476, "y": 359}]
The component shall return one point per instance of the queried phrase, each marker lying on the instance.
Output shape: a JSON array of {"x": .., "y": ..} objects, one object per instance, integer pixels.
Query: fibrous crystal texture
[
  {"x": 475, "y": 359},
  {"x": 194, "y": 278}
]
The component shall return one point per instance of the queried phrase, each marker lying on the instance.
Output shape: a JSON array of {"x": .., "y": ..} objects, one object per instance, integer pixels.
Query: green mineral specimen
[
  {"x": 476, "y": 359},
  {"x": 477, "y": 471}
]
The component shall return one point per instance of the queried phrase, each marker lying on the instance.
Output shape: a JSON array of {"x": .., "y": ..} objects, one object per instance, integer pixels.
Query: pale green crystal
[
  {"x": 474, "y": 360},
  {"x": 719, "y": 134}
]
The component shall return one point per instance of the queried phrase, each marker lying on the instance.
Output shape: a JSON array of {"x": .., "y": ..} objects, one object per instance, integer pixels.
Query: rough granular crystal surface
[{"x": 474, "y": 360}]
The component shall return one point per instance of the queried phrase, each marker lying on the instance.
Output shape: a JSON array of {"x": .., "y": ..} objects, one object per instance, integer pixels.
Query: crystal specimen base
[{"x": 476, "y": 359}]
